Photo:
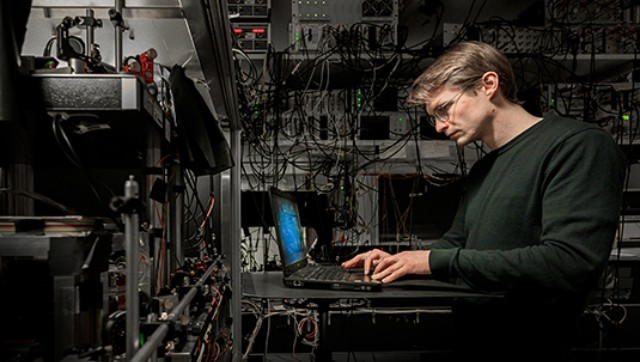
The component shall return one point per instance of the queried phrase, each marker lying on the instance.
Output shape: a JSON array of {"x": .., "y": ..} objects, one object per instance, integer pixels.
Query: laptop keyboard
[{"x": 324, "y": 274}]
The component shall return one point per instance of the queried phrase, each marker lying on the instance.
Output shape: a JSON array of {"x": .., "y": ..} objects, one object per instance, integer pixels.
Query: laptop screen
[{"x": 287, "y": 223}]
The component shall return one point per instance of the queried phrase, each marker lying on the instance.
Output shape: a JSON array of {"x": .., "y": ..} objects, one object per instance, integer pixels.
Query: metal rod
[
  {"x": 133, "y": 260},
  {"x": 323, "y": 351},
  {"x": 236, "y": 253},
  {"x": 151, "y": 344},
  {"x": 265, "y": 252},
  {"x": 178, "y": 309},
  {"x": 90, "y": 34},
  {"x": 168, "y": 228},
  {"x": 178, "y": 247},
  {"x": 158, "y": 335},
  {"x": 152, "y": 157},
  {"x": 207, "y": 273},
  {"x": 118, "y": 40}
]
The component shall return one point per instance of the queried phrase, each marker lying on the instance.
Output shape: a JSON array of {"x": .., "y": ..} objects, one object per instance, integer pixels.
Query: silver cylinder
[
  {"x": 118, "y": 41},
  {"x": 90, "y": 35},
  {"x": 131, "y": 191}
]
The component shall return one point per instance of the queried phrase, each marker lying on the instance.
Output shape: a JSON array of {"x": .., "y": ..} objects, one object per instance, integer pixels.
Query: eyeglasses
[{"x": 441, "y": 113}]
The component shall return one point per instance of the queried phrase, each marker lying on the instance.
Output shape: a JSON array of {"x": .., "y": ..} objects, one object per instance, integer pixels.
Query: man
[{"x": 537, "y": 220}]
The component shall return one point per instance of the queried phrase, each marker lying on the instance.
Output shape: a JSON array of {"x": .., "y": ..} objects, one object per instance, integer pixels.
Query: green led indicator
[
  {"x": 625, "y": 117},
  {"x": 552, "y": 102},
  {"x": 341, "y": 187},
  {"x": 401, "y": 119}
]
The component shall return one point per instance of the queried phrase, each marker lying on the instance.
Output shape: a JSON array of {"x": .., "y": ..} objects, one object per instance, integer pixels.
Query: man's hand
[
  {"x": 387, "y": 268},
  {"x": 367, "y": 260},
  {"x": 393, "y": 267}
]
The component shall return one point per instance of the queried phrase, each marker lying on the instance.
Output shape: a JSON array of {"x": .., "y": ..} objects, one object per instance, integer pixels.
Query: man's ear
[{"x": 490, "y": 84}]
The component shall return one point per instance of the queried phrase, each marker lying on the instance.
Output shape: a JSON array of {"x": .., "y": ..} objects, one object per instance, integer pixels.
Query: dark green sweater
[{"x": 539, "y": 214}]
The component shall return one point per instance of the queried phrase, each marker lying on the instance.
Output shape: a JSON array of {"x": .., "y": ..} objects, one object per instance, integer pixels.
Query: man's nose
[{"x": 440, "y": 126}]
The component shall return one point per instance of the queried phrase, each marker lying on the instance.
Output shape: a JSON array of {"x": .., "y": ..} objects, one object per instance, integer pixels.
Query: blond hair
[{"x": 462, "y": 66}]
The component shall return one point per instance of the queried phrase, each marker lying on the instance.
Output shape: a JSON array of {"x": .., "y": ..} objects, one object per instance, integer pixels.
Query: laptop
[{"x": 298, "y": 270}]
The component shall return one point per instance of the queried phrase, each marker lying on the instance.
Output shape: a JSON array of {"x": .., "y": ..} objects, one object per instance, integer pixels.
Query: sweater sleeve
[
  {"x": 448, "y": 245},
  {"x": 581, "y": 199}
]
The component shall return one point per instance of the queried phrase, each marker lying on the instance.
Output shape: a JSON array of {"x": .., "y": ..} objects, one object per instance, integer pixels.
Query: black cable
[
  {"x": 66, "y": 147},
  {"x": 47, "y": 48},
  {"x": 37, "y": 197}
]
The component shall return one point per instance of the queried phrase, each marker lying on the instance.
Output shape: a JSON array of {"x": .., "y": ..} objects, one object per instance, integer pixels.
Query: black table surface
[{"x": 269, "y": 285}]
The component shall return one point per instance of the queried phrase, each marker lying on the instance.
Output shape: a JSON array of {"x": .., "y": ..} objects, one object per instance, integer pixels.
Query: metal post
[
  {"x": 118, "y": 40},
  {"x": 90, "y": 34},
  {"x": 152, "y": 155},
  {"x": 177, "y": 209},
  {"x": 131, "y": 191},
  {"x": 323, "y": 349},
  {"x": 236, "y": 255},
  {"x": 166, "y": 223},
  {"x": 265, "y": 251}
]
